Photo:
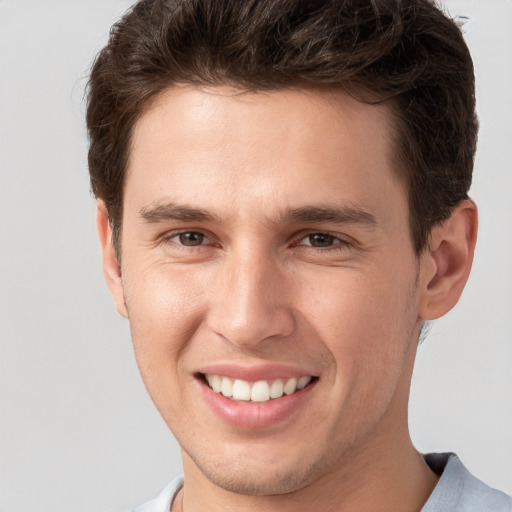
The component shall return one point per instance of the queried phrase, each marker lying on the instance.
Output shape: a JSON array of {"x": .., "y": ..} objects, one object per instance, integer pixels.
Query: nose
[{"x": 251, "y": 303}]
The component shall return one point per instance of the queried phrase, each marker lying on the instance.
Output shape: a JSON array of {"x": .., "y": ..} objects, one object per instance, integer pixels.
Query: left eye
[
  {"x": 320, "y": 240},
  {"x": 189, "y": 238}
]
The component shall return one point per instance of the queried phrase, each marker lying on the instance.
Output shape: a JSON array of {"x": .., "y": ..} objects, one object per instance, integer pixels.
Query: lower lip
[{"x": 255, "y": 415}]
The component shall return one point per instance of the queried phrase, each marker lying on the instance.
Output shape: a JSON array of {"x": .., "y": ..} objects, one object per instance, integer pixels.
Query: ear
[
  {"x": 111, "y": 267},
  {"x": 446, "y": 263}
]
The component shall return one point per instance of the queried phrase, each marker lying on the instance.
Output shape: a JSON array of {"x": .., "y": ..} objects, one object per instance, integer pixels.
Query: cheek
[
  {"x": 366, "y": 321},
  {"x": 165, "y": 310}
]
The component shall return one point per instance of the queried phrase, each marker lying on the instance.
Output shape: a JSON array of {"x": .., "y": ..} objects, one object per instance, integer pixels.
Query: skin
[{"x": 255, "y": 291}]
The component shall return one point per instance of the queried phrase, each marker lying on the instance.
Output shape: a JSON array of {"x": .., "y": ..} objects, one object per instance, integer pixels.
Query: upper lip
[{"x": 256, "y": 372}]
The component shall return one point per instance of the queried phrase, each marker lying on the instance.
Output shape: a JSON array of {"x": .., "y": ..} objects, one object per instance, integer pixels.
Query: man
[{"x": 282, "y": 204}]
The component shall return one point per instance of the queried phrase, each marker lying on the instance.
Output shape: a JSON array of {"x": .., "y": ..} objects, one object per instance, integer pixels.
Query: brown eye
[
  {"x": 191, "y": 238},
  {"x": 321, "y": 240}
]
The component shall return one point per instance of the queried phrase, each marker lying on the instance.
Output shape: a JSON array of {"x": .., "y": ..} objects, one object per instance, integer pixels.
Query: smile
[{"x": 259, "y": 391}]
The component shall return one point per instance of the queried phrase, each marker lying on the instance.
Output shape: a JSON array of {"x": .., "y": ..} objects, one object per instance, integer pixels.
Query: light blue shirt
[{"x": 457, "y": 490}]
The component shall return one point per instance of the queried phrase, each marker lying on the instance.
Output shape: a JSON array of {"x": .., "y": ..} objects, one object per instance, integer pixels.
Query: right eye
[{"x": 189, "y": 238}]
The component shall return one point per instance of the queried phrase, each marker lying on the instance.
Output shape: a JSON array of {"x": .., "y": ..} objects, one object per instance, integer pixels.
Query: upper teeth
[{"x": 260, "y": 391}]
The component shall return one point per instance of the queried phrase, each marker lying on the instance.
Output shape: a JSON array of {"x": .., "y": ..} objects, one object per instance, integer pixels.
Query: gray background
[{"x": 77, "y": 431}]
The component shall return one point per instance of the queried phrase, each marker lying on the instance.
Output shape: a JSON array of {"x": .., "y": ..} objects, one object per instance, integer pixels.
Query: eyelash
[{"x": 339, "y": 244}]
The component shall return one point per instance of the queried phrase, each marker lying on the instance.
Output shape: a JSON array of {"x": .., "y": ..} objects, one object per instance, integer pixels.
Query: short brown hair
[{"x": 405, "y": 52}]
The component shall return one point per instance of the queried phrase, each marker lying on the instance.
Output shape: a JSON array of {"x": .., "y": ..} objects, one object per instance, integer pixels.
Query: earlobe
[
  {"x": 111, "y": 267},
  {"x": 446, "y": 263}
]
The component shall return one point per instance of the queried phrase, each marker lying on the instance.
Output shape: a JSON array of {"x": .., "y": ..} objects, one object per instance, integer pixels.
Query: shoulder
[
  {"x": 459, "y": 491},
  {"x": 162, "y": 503}
]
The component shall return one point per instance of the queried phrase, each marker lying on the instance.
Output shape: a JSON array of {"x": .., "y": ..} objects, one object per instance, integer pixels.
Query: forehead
[
  {"x": 186, "y": 113},
  {"x": 210, "y": 143}
]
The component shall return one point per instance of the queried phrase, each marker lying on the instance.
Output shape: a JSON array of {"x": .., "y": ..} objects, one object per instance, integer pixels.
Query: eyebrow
[
  {"x": 173, "y": 211},
  {"x": 336, "y": 214},
  {"x": 308, "y": 214}
]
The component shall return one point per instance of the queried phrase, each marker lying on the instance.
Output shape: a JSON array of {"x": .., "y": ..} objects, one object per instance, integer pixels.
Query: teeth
[
  {"x": 215, "y": 383},
  {"x": 276, "y": 389},
  {"x": 241, "y": 390},
  {"x": 226, "y": 387},
  {"x": 303, "y": 382},
  {"x": 290, "y": 386},
  {"x": 260, "y": 391}
]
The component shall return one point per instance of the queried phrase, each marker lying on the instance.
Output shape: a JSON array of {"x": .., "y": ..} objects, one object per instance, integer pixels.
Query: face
[{"x": 266, "y": 255}]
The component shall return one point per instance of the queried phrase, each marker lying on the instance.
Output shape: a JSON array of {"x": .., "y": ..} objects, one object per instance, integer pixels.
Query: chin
[
  {"x": 243, "y": 482},
  {"x": 259, "y": 479}
]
